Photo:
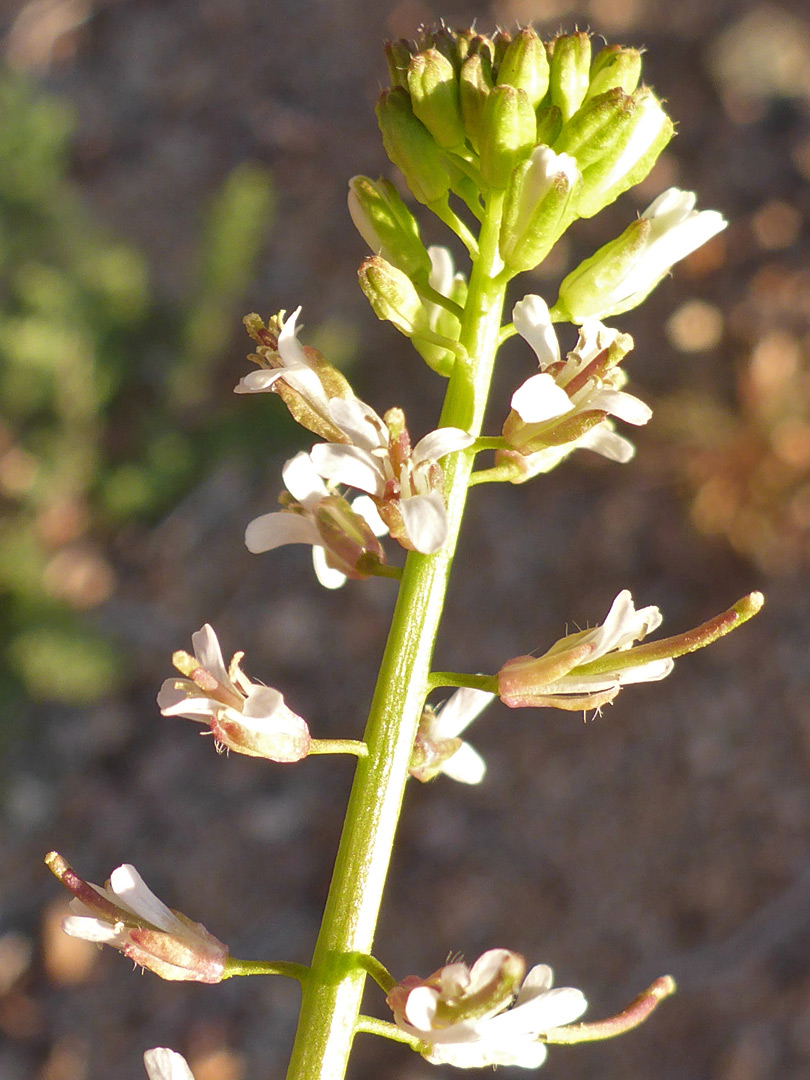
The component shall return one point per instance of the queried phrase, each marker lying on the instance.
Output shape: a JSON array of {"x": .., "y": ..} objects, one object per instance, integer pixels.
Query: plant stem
[{"x": 332, "y": 994}]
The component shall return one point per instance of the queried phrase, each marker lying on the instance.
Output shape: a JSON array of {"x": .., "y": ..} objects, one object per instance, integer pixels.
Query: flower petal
[
  {"x": 326, "y": 574},
  {"x": 303, "y": 482},
  {"x": 531, "y": 318},
  {"x": 466, "y": 765},
  {"x": 439, "y": 443},
  {"x": 359, "y": 422},
  {"x": 425, "y": 521},
  {"x": 164, "y": 1064},
  {"x": 539, "y": 399},
  {"x": 273, "y": 530},
  {"x": 349, "y": 465},
  {"x": 207, "y": 650},
  {"x": 603, "y": 440},
  {"x": 129, "y": 886},
  {"x": 459, "y": 711}
]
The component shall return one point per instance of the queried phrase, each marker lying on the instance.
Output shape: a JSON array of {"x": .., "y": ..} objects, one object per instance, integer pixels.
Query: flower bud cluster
[{"x": 559, "y": 130}]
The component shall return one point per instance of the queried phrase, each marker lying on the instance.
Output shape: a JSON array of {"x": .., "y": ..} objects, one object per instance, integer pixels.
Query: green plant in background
[
  {"x": 99, "y": 380},
  {"x": 508, "y": 141}
]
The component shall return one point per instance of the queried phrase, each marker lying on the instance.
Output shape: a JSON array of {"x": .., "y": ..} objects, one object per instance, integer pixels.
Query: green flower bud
[
  {"x": 508, "y": 135},
  {"x": 411, "y": 148},
  {"x": 500, "y": 43},
  {"x": 549, "y": 124},
  {"x": 525, "y": 66},
  {"x": 452, "y": 44},
  {"x": 595, "y": 127},
  {"x": 434, "y": 97},
  {"x": 387, "y": 226},
  {"x": 392, "y": 296},
  {"x": 537, "y": 199},
  {"x": 475, "y": 84},
  {"x": 398, "y": 56},
  {"x": 614, "y": 66},
  {"x": 569, "y": 72},
  {"x": 631, "y": 156}
]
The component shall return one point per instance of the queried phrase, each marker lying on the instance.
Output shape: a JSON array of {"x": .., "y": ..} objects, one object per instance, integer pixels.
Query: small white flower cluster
[{"x": 404, "y": 486}]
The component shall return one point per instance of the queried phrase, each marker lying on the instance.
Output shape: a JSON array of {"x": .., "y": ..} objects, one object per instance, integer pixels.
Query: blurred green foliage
[{"x": 101, "y": 383}]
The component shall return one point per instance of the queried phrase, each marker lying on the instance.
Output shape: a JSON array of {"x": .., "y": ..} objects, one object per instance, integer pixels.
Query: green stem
[
  {"x": 338, "y": 746},
  {"x": 265, "y": 967},
  {"x": 332, "y": 994},
  {"x": 372, "y": 1026},
  {"x": 456, "y": 678}
]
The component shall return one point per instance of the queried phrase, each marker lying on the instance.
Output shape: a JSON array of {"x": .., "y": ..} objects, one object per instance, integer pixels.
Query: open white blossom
[
  {"x": 438, "y": 748},
  {"x": 471, "y": 1018},
  {"x": 244, "y": 716},
  {"x": 555, "y": 679},
  {"x": 340, "y": 533},
  {"x": 567, "y": 404},
  {"x": 294, "y": 368},
  {"x": 127, "y": 915},
  {"x": 164, "y": 1064},
  {"x": 406, "y": 484}
]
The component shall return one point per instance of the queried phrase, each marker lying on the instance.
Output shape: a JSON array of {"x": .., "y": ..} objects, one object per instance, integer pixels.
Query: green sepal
[
  {"x": 388, "y": 226},
  {"x": 475, "y": 85},
  {"x": 392, "y": 296},
  {"x": 525, "y": 66},
  {"x": 549, "y": 124},
  {"x": 533, "y": 220},
  {"x": 508, "y": 135},
  {"x": 569, "y": 72},
  {"x": 398, "y": 57},
  {"x": 614, "y": 66},
  {"x": 435, "y": 98},
  {"x": 410, "y": 146},
  {"x": 582, "y": 291}
]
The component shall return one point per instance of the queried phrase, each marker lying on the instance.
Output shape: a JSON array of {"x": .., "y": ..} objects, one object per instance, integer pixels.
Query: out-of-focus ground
[{"x": 672, "y": 834}]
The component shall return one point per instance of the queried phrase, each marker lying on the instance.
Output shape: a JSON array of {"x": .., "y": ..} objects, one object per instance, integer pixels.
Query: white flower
[
  {"x": 243, "y": 716},
  {"x": 164, "y": 1064},
  {"x": 466, "y": 1018},
  {"x": 407, "y": 485},
  {"x": 295, "y": 369},
  {"x": 339, "y": 533},
  {"x": 567, "y": 404},
  {"x": 127, "y": 915},
  {"x": 438, "y": 748},
  {"x": 623, "y": 272},
  {"x": 555, "y": 679}
]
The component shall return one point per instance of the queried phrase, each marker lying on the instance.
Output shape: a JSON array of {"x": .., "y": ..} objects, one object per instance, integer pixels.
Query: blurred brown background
[{"x": 197, "y": 156}]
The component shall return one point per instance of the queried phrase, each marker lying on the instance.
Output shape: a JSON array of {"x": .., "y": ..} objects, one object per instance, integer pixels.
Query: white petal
[
  {"x": 302, "y": 481},
  {"x": 442, "y": 269},
  {"x": 209, "y": 654},
  {"x": 289, "y": 348},
  {"x": 620, "y": 404},
  {"x": 652, "y": 672},
  {"x": 359, "y": 422},
  {"x": 89, "y": 929},
  {"x": 425, "y": 521},
  {"x": 262, "y": 703},
  {"x": 539, "y": 399},
  {"x": 531, "y": 318},
  {"x": 349, "y": 465},
  {"x": 367, "y": 509},
  {"x": 190, "y": 707},
  {"x": 535, "y": 1015},
  {"x": 466, "y": 765},
  {"x": 539, "y": 979},
  {"x": 272, "y": 530},
  {"x": 603, "y": 440},
  {"x": 326, "y": 574},
  {"x": 257, "y": 382},
  {"x": 420, "y": 1008},
  {"x": 459, "y": 711},
  {"x": 439, "y": 443},
  {"x": 129, "y": 886},
  {"x": 671, "y": 206},
  {"x": 164, "y": 1064}
]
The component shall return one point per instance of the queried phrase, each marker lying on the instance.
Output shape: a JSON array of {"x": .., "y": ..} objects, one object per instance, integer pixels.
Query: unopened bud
[
  {"x": 475, "y": 84},
  {"x": 509, "y": 130},
  {"x": 387, "y": 226},
  {"x": 525, "y": 66},
  {"x": 411, "y": 147},
  {"x": 549, "y": 124},
  {"x": 614, "y": 66},
  {"x": 641, "y": 134},
  {"x": 398, "y": 56},
  {"x": 569, "y": 72},
  {"x": 392, "y": 296},
  {"x": 434, "y": 97},
  {"x": 535, "y": 209}
]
